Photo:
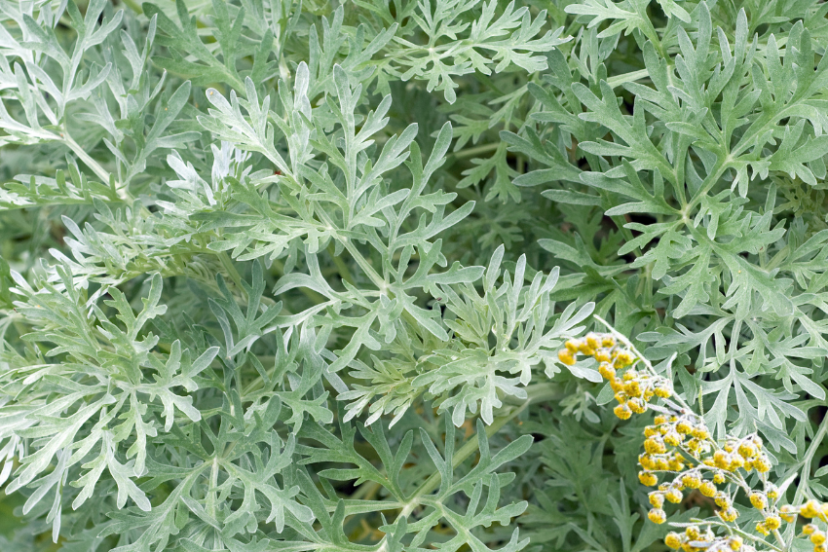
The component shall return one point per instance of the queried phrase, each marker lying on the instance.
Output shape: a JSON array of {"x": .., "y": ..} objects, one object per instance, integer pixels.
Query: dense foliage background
[{"x": 283, "y": 275}]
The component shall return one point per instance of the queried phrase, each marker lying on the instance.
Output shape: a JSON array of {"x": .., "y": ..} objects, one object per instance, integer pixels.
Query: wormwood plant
[{"x": 322, "y": 276}]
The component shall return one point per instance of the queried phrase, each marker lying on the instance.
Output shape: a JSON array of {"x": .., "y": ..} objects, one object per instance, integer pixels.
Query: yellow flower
[
  {"x": 674, "y": 495},
  {"x": 728, "y": 515},
  {"x": 810, "y": 509},
  {"x": 684, "y": 428},
  {"x": 630, "y": 375},
  {"x": 809, "y": 529},
  {"x": 572, "y": 345},
  {"x": 654, "y": 445},
  {"x": 771, "y": 491},
  {"x": 760, "y": 528},
  {"x": 622, "y": 411},
  {"x": 624, "y": 358},
  {"x": 718, "y": 478},
  {"x": 637, "y": 405},
  {"x": 721, "y": 459},
  {"x": 788, "y": 513},
  {"x": 818, "y": 537},
  {"x": 663, "y": 391},
  {"x": 633, "y": 388},
  {"x": 722, "y": 500},
  {"x": 691, "y": 481},
  {"x": 748, "y": 450},
  {"x": 673, "y": 439},
  {"x": 657, "y": 515},
  {"x": 606, "y": 371},
  {"x": 692, "y": 533},
  {"x": 701, "y": 433},
  {"x": 762, "y": 464},
  {"x": 773, "y": 523},
  {"x": 656, "y": 499},
  {"x": 708, "y": 489},
  {"x": 647, "y": 478},
  {"x": 673, "y": 540},
  {"x": 758, "y": 500},
  {"x": 566, "y": 357},
  {"x": 735, "y": 543},
  {"x": 592, "y": 341}
]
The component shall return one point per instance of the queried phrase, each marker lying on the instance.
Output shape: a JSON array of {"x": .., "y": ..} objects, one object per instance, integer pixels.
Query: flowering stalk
[{"x": 680, "y": 454}]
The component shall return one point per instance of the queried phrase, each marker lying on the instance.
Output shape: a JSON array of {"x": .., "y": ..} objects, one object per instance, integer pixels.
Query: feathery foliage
[{"x": 298, "y": 276}]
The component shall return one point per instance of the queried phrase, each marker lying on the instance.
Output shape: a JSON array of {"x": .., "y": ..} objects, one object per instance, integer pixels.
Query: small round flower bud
[
  {"x": 758, "y": 500},
  {"x": 735, "y": 543},
  {"x": 762, "y": 464},
  {"x": 657, "y": 515},
  {"x": 674, "y": 495},
  {"x": 633, "y": 388},
  {"x": 624, "y": 358},
  {"x": 773, "y": 523},
  {"x": 708, "y": 489},
  {"x": 592, "y": 341},
  {"x": 622, "y": 411},
  {"x": 691, "y": 481},
  {"x": 722, "y": 500},
  {"x": 654, "y": 445},
  {"x": 809, "y": 529},
  {"x": 810, "y": 509},
  {"x": 630, "y": 375},
  {"x": 721, "y": 459},
  {"x": 736, "y": 462},
  {"x": 637, "y": 405},
  {"x": 673, "y": 439},
  {"x": 663, "y": 391},
  {"x": 747, "y": 450},
  {"x": 673, "y": 540},
  {"x": 683, "y": 427},
  {"x": 818, "y": 537},
  {"x": 656, "y": 499},
  {"x": 606, "y": 371},
  {"x": 788, "y": 513},
  {"x": 647, "y": 478},
  {"x": 566, "y": 357}
]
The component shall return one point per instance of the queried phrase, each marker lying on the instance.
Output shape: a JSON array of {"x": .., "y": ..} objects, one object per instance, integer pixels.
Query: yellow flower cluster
[
  {"x": 678, "y": 446},
  {"x": 694, "y": 539},
  {"x": 633, "y": 389},
  {"x": 814, "y": 510}
]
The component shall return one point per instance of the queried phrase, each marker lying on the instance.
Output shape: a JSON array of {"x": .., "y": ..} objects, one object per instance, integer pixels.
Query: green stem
[
  {"x": 535, "y": 393},
  {"x": 96, "y": 167}
]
